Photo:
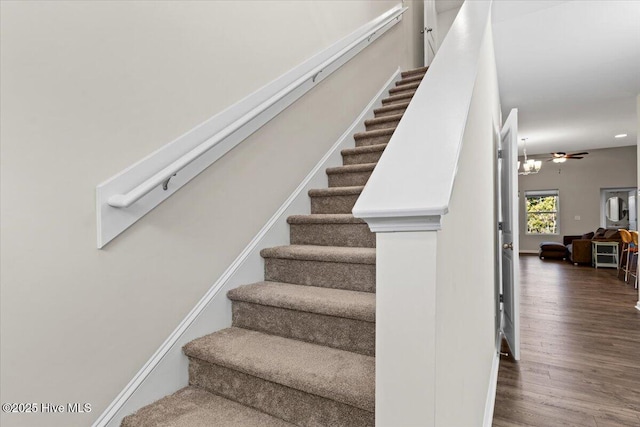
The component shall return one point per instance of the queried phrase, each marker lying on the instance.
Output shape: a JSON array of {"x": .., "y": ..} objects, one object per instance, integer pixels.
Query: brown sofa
[{"x": 579, "y": 247}]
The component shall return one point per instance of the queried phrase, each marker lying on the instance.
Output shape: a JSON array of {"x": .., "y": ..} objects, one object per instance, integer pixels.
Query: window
[{"x": 542, "y": 211}]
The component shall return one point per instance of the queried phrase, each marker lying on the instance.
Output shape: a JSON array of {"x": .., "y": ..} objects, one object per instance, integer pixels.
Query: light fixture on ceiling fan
[
  {"x": 529, "y": 166},
  {"x": 561, "y": 157}
]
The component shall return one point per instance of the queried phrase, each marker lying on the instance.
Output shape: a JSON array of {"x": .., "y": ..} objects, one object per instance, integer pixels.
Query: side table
[{"x": 604, "y": 254}]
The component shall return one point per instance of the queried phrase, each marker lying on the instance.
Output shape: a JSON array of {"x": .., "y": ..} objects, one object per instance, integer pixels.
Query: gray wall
[
  {"x": 579, "y": 183},
  {"x": 88, "y": 88}
]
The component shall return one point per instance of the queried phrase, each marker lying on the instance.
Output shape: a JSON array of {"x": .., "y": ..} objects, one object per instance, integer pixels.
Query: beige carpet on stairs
[{"x": 301, "y": 350}]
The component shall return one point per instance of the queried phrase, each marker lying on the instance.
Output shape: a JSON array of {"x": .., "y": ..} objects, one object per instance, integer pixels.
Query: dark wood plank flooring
[{"x": 580, "y": 353}]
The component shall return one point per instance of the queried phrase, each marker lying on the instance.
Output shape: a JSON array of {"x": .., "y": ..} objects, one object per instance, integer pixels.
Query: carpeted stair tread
[
  {"x": 385, "y": 119},
  {"x": 398, "y": 98},
  {"x": 194, "y": 407},
  {"x": 322, "y": 253},
  {"x": 328, "y": 301},
  {"x": 373, "y": 133},
  {"x": 403, "y": 88},
  {"x": 334, "y": 374},
  {"x": 363, "y": 154},
  {"x": 412, "y": 79},
  {"x": 325, "y": 219},
  {"x": 363, "y": 149},
  {"x": 336, "y": 191},
  {"x": 390, "y": 108},
  {"x": 414, "y": 71},
  {"x": 366, "y": 167},
  {"x": 302, "y": 346},
  {"x": 330, "y": 230},
  {"x": 334, "y": 200}
]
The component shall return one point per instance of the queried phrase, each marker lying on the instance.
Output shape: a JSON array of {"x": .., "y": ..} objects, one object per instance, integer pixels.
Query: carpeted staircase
[{"x": 301, "y": 350}]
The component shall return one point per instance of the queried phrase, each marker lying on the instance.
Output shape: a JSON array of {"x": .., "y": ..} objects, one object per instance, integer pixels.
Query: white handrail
[
  {"x": 411, "y": 186},
  {"x": 135, "y": 194}
]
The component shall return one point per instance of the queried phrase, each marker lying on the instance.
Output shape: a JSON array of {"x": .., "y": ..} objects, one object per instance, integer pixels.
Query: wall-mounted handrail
[
  {"x": 161, "y": 177},
  {"x": 411, "y": 186}
]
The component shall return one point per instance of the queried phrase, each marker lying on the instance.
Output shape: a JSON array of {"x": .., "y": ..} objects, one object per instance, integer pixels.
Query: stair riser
[
  {"x": 409, "y": 80},
  {"x": 349, "y": 179},
  {"x": 359, "y": 159},
  {"x": 372, "y": 140},
  {"x": 389, "y": 113},
  {"x": 345, "y": 334},
  {"x": 400, "y": 90},
  {"x": 294, "y": 406},
  {"x": 401, "y": 99},
  {"x": 385, "y": 125},
  {"x": 411, "y": 73},
  {"x": 333, "y": 204},
  {"x": 350, "y": 235},
  {"x": 338, "y": 275}
]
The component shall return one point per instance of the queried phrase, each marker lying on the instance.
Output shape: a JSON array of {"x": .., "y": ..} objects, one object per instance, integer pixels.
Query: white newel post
[{"x": 405, "y": 328}]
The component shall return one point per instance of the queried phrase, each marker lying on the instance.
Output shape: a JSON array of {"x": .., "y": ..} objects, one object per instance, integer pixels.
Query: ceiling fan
[{"x": 561, "y": 157}]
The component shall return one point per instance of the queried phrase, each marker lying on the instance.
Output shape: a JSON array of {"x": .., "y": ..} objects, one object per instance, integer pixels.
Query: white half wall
[{"x": 466, "y": 281}]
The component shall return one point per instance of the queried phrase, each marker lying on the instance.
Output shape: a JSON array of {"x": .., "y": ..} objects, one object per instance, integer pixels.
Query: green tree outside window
[{"x": 542, "y": 214}]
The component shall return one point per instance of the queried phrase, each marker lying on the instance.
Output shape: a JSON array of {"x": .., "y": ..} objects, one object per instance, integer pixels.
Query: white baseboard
[
  {"x": 638, "y": 306},
  {"x": 166, "y": 371},
  {"x": 491, "y": 392}
]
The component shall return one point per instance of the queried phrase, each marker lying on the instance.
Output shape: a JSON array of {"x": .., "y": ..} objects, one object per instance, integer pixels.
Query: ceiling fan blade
[
  {"x": 575, "y": 157},
  {"x": 577, "y": 154}
]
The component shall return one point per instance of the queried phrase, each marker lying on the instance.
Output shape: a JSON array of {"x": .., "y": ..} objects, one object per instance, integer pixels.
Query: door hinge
[
  {"x": 500, "y": 226},
  {"x": 499, "y": 154},
  {"x": 501, "y": 298}
]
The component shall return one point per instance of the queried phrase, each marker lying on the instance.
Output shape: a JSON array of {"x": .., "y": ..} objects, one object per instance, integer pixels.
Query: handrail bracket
[{"x": 165, "y": 183}]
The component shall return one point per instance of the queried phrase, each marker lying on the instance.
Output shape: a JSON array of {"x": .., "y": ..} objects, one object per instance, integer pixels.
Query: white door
[
  {"x": 510, "y": 315},
  {"x": 430, "y": 31}
]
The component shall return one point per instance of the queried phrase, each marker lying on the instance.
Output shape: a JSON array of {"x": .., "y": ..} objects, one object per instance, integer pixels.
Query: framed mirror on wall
[{"x": 618, "y": 208}]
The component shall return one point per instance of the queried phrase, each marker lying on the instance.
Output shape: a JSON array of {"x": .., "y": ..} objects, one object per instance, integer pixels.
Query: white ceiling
[{"x": 572, "y": 68}]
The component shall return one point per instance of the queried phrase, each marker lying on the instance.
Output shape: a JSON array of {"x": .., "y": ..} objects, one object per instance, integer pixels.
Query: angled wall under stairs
[{"x": 301, "y": 349}]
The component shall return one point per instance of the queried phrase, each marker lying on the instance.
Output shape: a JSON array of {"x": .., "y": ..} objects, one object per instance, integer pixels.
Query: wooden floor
[{"x": 580, "y": 353}]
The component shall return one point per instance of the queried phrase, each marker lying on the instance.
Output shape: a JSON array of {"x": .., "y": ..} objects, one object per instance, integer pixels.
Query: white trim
[
  {"x": 638, "y": 306},
  {"x": 166, "y": 370},
  {"x": 404, "y": 223},
  {"x": 417, "y": 171},
  {"x": 137, "y": 190},
  {"x": 536, "y": 193},
  {"x": 491, "y": 392}
]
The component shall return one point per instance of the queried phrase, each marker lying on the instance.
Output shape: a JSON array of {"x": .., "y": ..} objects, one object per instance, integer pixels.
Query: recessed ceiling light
[{"x": 620, "y": 135}]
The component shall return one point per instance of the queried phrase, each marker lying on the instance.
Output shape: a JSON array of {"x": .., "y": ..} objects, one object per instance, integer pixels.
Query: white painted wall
[
  {"x": 88, "y": 88},
  {"x": 445, "y": 20},
  {"x": 466, "y": 281},
  {"x": 579, "y": 183}
]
